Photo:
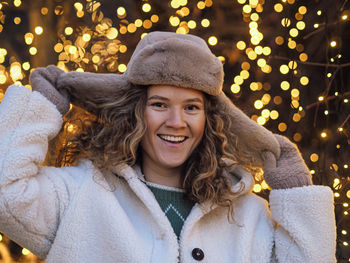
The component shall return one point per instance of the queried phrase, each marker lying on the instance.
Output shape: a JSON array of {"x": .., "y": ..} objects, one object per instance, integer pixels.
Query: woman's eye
[
  {"x": 192, "y": 107},
  {"x": 158, "y": 105}
]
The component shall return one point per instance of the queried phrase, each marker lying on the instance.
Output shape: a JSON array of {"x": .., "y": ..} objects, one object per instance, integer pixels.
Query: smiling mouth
[{"x": 172, "y": 139}]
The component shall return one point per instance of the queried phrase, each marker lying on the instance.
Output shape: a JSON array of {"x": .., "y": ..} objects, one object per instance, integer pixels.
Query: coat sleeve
[
  {"x": 305, "y": 230},
  {"x": 32, "y": 197}
]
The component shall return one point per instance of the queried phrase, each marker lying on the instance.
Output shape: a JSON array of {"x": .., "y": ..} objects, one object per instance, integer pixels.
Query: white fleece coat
[{"x": 76, "y": 214}]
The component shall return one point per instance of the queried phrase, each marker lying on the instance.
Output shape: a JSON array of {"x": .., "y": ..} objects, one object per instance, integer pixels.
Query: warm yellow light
[
  {"x": 300, "y": 25},
  {"x": 58, "y": 47},
  {"x": 258, "y": 104},
  {"x": 238, "y": 80},
  {"x": 261, "y": 62},
  {"x": 323, "y": 134},
  {"x": 122, "y": 68},
  {"x": 121, "y": 11},
  {"x": 320, "y": 98},
  {"x": 266, "y": 51},
  {"x": 241, "y": 45},
  {"x": 314, "y": 157},
  {"x": 244, "y": 74},
  {"x": 293, "y": 32},
  {"x": 261, "y": 120},
  {"x": 28, "y": 38},
  {"x": 303, "y": 57},
  {"x": 254, "y": 17},
  {"x": 292, "y": 44},
  {"x": 17, "y": 20},
  {"x": 265, "y": 113},
  {"x": 205, "y": 22},
  {"x": 285, "y": 22},
  {"x": 235, "y": 88},
  {"x": 26, "y": 65},
  {"x": 95, "y": 59},
  {"x": 295, "y": 93},
  {"x": 147, "y": 24},
  {"x": 38, "y": 30},
  {"x": 258, "y": 50},
  {"x": 86, "y": 37},
  {"x": 253, "y": 86},
  {"x": 78, "y": 6},
  {"x": 253, "y": 25},
  {"x": 285, "y": 85},
  {"x": 284, "y": 69},
  {"x": 192, "y": 24},
  {"x": 123, "y": 48},
  {"x": 304, "y": 80},
  {"x": 344, "y": 232},
  {"x": 278, "y": 8},
  {"x": 25, "y": 252},
  {"x": 296, "y": 116},
  {"x": 336, "y": 195},
  {"x": 252, "y": 55},
  {"x": 3, "y": 79},
  {"x": 245, "y": 65},
  {"x": 348, "y": 194},
  {"x": 292, "y": 64},
  {"x": 282, "y": 127},
  {"x": 346, "y": 166},
  {"x": 316, "y": 25},
  {"x": 297, "y": 137},
  {"x": 138, "y": 22},
  {"x": 247, "y": 9},
  {"x": 131, "y": 28},
  {"x": 68, "y": 30},
  {"x": 146, "y": 7},
  {"x": 200, "y": 5},
  {"x": 279, "y": 40},
  {"x": 302, "y": 10},
  {"x": 333, "y": 43},
  {"x": 257, "y": 188},
  {"x": 340, "y": 129},
  {"x": 241, "y": 1},
  {"x": 17, "y": 3},
  {"x": 73, "y": 49},
  {"x": 33, "y": 51},
  {"x": 274, "y": 114},
  {"x": 174, "y": 21},
  {"x": 212, "y": 40}
]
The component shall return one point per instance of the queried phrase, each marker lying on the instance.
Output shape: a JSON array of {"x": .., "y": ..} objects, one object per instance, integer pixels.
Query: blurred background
[{"x": 286, "y": 66}]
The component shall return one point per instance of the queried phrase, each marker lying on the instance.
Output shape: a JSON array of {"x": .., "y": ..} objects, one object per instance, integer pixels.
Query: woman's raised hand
[
  {"x": 289, "y": 170},
  {"x": 44, "y": 81}
]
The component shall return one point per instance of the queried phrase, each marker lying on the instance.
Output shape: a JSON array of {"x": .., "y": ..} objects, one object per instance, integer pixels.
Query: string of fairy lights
[{"x": 98, "y": 46}]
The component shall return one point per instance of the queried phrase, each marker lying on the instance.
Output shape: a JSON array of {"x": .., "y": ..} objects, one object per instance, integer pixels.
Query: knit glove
[
  {"x": 289, "y": 170},
  {"x": 44, "y": 80}
]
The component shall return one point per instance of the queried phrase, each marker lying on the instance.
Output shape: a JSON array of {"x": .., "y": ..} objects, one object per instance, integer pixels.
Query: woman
[{"x": 162, "y": 180}]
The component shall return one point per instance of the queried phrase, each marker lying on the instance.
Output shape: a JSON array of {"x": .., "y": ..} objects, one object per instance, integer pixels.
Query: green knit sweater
[{"x": 174, "y": 204}]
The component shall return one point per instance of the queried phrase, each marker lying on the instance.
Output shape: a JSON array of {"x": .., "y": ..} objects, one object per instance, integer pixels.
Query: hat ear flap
[
  {"x": 253, "y": 139},
  {"x": 88, "y": 89}
]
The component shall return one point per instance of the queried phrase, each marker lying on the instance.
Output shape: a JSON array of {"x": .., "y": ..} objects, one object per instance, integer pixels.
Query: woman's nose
[{"x": 176, "y": 119}]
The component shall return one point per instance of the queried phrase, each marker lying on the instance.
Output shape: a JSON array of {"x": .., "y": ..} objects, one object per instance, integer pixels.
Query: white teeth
[{"x": 173, "y": 138}]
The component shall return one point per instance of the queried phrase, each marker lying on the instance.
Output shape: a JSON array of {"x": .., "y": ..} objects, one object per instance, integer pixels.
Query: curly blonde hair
[{"x": 114, "y": 136}]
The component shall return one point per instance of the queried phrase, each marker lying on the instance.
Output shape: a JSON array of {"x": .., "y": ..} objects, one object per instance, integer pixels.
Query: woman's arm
[
  {"x": 32, "y": 198},
  {"x": 305, "y": 230}
]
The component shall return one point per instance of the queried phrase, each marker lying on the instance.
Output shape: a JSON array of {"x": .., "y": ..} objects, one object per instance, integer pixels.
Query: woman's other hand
[
  {"x": 289, "y": 170},
  {"x": 44, "y": 80}
]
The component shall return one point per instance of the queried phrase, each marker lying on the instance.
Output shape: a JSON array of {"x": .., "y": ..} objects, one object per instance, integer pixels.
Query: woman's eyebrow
[
  {"x": 194, "y": 100},
  {"x": 157, "y": 97}
]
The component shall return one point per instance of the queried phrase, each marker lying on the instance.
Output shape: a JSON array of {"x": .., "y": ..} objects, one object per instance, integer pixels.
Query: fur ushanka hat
[{"x": 179, "y": 60}]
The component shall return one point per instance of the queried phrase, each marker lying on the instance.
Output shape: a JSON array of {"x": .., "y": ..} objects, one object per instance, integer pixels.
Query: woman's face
[{"x": 175, "y": 121}]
